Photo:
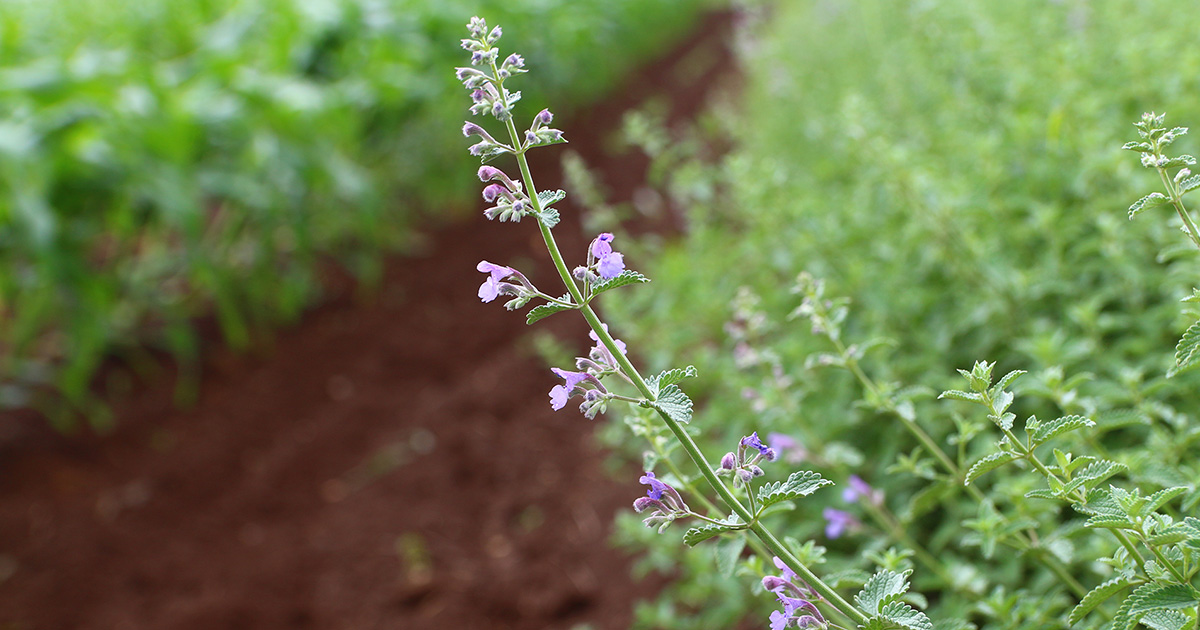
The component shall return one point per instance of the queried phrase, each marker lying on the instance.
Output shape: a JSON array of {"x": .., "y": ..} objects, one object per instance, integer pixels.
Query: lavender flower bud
[
  {"x": 499, "y": 111},
  {"x": 481, "y": 148},
  {"x": 494, "y": 36},
  {"x": 728, "y": 461},
  {"x": 644, "y": 503},
  {"x": 491, "y": 191},
  {"x": 502, "y": 74},
  {"x": 770, "y": 454},
  {"x": 477, "y": 57},
  {"x": 544, "y": 117},
  {"x": 531, "y": 138},
  {"x": 477, "y": 26},
  {"x": 773, "y": 583},
  {"x": 579, "y": 273},
  {"x": 514, "y": 61}
]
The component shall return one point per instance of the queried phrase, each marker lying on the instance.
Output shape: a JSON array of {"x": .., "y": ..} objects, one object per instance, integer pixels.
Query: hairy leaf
[
  {"x": 955, "y": 394},
  {"x": 1096, "y": 597},
  {"x": 1159, "y": 499},
  {"x": 545, "y": 310},
  {"x": 883, "y": 588},
  {"x": 549, "y": 216},
  {"x": 1054, "y": 428},
  {"x": 799, "y": 484},
  {"x": 727, "y": 553},
  {"x": 1152, "y": 200},
  {"x": 1007, "y": 380},
  {"x": 1189, "y": 184},
  {"x": 905, "y": 616},
  {"x": 697, "y": 535},
  {"x": 988, "y": 464},
  {"x": 1165, "y": 619},
  {"x": 670, "y": 377},
  {"x": 1150, "y": 597},
  {"x": 1187, "y": 351},
  {"x": 547, "y": 198},
  {"x": 673, "y": 402},
  {"x": 626, "y": 277},
  {"x": 1094, "y": 474}
]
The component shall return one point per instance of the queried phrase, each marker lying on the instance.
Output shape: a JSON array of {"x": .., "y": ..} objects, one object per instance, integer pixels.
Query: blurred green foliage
[
  {"x": 953, "y": 167},
  {"x": 162, "y": 160}
]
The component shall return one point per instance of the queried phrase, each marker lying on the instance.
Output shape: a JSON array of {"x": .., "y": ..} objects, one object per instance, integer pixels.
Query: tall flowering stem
[{"x": 492, "y": 98}]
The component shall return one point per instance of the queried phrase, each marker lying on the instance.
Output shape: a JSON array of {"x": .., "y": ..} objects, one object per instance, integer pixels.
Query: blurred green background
[{"x": 166, "y": 160}]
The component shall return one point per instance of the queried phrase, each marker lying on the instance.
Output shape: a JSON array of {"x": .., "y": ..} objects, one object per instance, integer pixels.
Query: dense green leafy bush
[
  {"x": 162, "y": 160},
  {"x": 954, "y": 169}
]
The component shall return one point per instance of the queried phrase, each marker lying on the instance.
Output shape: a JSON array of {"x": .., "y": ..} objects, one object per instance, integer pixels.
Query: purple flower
[
  {"x": 491, "y": 191},
  {"x": 600, "y": 352},
  {"x": 494, "y": 36},
  {"x": 611, "y": 266},
  {"x": 544, "y": 117},
  {"x": 752, "y": 441},
  {"x": 663, "y": 501},
  {"x": 514, "y": 61},
  {"x": 798, "y": 609},
  {"x": 477, "y": 26},
  {"x": 558, "y": 397},
  {"x": 602, "y": 246},
  {"x": 594, "y": 399},
  {"x": 788, "y": 447},
  {"x": 857, "y": 488},
  {"x": 837, "y": 522},
  {"x": 490, "y": 288},
  {"x": 573, "y": 379},
  {"x": 660, "y": 491}
]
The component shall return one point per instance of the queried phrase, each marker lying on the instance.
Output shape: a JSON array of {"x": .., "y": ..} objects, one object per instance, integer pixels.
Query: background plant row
[
  {"x": 164, "y": 160},
  {"x": 954, "y": 169}
]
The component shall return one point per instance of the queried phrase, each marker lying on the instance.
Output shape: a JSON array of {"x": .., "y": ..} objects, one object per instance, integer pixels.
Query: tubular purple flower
[
  {"x": 514, "y": 61},
  {"x": 490, "y": 288},
  {"x": 728, "y": 462},
  {"x": 495, "y": 35},
  {"x": 491, "y": 191},
  {"x": 544, "y": 117},
  {"x": 663, "y": 492},
  {"x": 602, "y": 245},
  {"x": 491, "y": 173},
  {"x": 471, "y": 129},
  {"x": 611, "y": 266},
  {"x": 641, "y": 504},
  {"x": 837, "y": 522},
  {"x": 558, "y": 397},
  {"x": 573, "y": 379},
  {"x": 774, "y": 583},
  {"x": 531, "y": 138},
  {"x": 788, "y": 573},
  {"x": 499, "y": 111}
]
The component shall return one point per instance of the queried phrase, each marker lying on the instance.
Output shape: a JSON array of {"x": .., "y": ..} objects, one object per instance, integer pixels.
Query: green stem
[
  {"x": 1177, "y": 201},
  {"x": 1166, "y": 565}
]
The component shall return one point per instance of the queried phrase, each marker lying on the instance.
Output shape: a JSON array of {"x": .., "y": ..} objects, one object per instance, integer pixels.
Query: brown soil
[{"x": 393, "y": 464}]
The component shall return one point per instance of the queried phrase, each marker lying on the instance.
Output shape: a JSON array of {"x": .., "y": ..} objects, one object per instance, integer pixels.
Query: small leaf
[
  {"x": 1183, "y": 160},
  {"x": 549, "y": 217},
  {"x": 1055, "y": 428},
  {"x": 674, "y": 403},
  {"x": 1041, "y": 493},
  {"x": 1175, "y": 534},
  {"x": 883, "y": 588},
  {"x": 547, "y": 198},
  {"x": 799, "y": 484},
  {"x": 905, "y": 616},
  {"x": 545, "y": 310},
  {"x": 1152, "y": 200},
  {"x": 626, "y": 277},
  {"x": 1159, "y": 499},
  {"x": 1104, "y": 521},
  {"x": 1189, "y": 184},
  {"x": 1096, "y": 597},
  {"x": 1150, "y": 597},
  {"x": 988, "y": 464},
  {"x": 1141, "y": 147},
  {"x": 1094, "y": 474},
  {"x": 670, "y": 377},
  {"x": 1187, "y": 351},
  {"x": 697, "y": 535},
  {"x": 955, "y": 394},
  {"x": 1007, "y": 380},
  {"x": 1165, "y": 620}
]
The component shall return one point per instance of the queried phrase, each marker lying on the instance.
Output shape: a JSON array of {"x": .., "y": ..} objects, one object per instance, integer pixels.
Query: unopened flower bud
[
  {"x": 728, "y": 461},
  {"x": 773, "y": 583},
  {"x": 531, "y": 137},
  {"x": 494, "y": 36}
]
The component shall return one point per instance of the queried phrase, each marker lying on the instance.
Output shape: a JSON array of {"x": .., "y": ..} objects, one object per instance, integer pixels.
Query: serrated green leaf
[
  {"x": 1141, "y": 147},
  {"x": 1165, "y": 620},
  {"x": 988, "y": 464},
  {"x": 1175, "y": 534},
  {"x": 1094, "y": 474},
  {"x": 1096, "y": 597},
  {"x": 626, "y": 277},
  {"x": 1152, "y": 200},
  {"x": 673, "y": 402},
  {"x": 1150, "y": 597},
  {"x": 697, "y": 535},
  {"x": 1192, "y": 526},
  {"x": 545, "y": 310},
  {"x": 1054, "y": 428},
  {"x": 1159, "y": 499},
  {"x": 727, "y": 552},
  {"x": 670, "y": 377},
  {"x": 848, "y": 578},
  {"x": 1042, "y": 493},
  {"x": 799, "y": 484},
  {"x": 1104, "y": 521},
  {"x": 547, "y": 198},
  {"x": 883, "y": 588},
  {"x": 1007, "y": 380},
  {"x": 1189, "y": 184},
  {"x": 905, "y": 616},
  {"x": 954, "y": 394},
  {"x": 1183, "y": 160},
  {"x": 549, "y": 217},
  {"x": 1187, "y": 351}
]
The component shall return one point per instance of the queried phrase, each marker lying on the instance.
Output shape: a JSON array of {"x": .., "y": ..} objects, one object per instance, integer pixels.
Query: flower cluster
[
  {"x": 511, "y": 201},
  {"x": 603, "y": 263},
  {"x": 797, "y": 599},
  {"x": 663, "y": 501},
  {"x": 586, "y": 382},
  {"x": 742, "y": 464}
]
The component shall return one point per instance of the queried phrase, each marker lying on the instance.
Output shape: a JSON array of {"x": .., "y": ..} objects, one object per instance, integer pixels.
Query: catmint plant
[{"x": 607, "y": 373}]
